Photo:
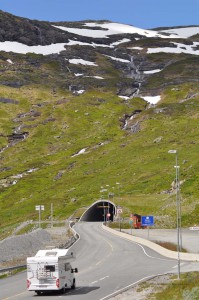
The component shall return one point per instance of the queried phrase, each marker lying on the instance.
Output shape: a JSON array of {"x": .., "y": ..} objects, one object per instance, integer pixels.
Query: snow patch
[
  {"x": 184, "y": 32},
  {"x": 110, "y": 29},
  {"x": 79, "y": 61},
  {"x": 24, "y": 49},
  {"x": 135, "y": 48},
  {"x": 20, "y": 48},
  {"x": 79, "y": 92},
  {"x": 120, "y": 42},
  {"x": 152, "y": 71},
  {"x": 80, "y": 152},
  {"x": 94, "y": 45},
  {"x": 10, "y": 61},
  {"x": 152, "y": 99},
  {"x": 97, "y": 77},
  {"x": 118, "y": 59},
  {"x": 118, "y": 28},
  {"x": 124, "y": 97},
  {"x": 181, "y": 48},
  {"x": 32, "y": 170}
]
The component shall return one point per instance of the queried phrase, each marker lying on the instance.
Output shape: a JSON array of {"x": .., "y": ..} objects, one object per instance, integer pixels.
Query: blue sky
[{"x": 139, "y": 13}]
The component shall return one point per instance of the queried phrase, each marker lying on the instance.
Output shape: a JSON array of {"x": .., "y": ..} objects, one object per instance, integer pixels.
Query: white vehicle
[{"x": 50, "y": 270}]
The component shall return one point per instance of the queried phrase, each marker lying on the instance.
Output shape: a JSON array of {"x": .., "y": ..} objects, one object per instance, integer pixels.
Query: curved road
[{"x": 107, "y": 264}]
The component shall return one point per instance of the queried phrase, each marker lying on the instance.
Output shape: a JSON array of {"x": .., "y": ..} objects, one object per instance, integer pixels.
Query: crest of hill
[
  {"x": 29, "y": 32},
  {"x": 33, "y": 32}
]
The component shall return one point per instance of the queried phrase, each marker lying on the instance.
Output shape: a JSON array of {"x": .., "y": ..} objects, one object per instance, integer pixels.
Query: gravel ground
[
  {"x": 15, "y": 249},
  {"x": 143, "y": 290}
]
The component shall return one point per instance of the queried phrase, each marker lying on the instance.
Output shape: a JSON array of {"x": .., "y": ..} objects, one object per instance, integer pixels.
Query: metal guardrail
[{"x": 12, "y": 268}]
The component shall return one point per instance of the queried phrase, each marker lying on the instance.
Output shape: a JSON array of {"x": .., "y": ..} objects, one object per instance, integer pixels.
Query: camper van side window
[
  {"x": 67, "y": 267},
  {"x": 50, "y": 268}
]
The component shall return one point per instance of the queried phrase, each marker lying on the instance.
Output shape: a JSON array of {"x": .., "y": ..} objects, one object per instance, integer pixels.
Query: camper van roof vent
[{"x": 51, "y": 253}]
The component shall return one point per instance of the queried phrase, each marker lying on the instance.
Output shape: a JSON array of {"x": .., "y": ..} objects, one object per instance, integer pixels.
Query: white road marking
[
  {"x": 104, "y": 278},
  {"x": 126, "y": 239},
  {"x": 104, "y": 258},
  {"x": 10, "y": 297},
  {"x": 96, "y": 281}
]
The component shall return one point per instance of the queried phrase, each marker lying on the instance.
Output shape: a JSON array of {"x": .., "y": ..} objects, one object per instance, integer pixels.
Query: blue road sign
[{"x": 147, "y": 220}]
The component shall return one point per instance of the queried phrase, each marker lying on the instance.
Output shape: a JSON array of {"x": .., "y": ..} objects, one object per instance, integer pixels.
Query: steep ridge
[{"x": 78, "y": 47}]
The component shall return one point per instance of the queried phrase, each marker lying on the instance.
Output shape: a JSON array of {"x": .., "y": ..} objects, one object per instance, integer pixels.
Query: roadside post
[
  {"x": 131, "y": 222},
  {"x": 119, "y": 212},
  {"x": 147, "y": 221},
  {"x": 108, "y": 216},
  {"x": 51, "y": 213},
  {"x": 39, "y": 208}
]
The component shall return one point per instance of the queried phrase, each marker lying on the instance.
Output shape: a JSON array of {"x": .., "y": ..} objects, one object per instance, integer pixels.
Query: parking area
[{"x": 190, "y": 238}]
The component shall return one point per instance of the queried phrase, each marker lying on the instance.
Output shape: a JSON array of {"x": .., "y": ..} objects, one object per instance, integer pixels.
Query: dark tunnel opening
[{"x": 100, "y": 211}]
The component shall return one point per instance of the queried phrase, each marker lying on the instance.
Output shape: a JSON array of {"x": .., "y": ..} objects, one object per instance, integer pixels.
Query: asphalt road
[{"x": 106, "y": 264}]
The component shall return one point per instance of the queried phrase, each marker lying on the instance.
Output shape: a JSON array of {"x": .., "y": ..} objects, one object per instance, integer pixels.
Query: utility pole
[
  {"x": 51, "y": 218},
  {"x": 178, "y": 210}
]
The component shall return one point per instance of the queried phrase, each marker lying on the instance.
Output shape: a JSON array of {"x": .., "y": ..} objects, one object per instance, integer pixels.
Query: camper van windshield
[{"x": 50, "y": 268}]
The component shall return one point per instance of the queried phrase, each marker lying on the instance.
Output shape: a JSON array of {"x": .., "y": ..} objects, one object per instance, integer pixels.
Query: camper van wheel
[
  {"x": 73, "y": 286},
  {"x": 38, "y": 293}
]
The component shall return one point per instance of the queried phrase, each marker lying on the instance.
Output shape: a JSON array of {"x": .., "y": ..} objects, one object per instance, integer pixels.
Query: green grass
[
  {"x": 11, "y": 273},
  {"x": 187, "y": 288},
  {"x": 142, "y": 166}
]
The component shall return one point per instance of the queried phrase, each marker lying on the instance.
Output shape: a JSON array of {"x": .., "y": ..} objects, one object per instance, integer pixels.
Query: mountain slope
[{"x": 86, "y": 105}]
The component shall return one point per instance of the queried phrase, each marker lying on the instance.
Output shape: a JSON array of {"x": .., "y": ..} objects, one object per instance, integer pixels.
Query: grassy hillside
[{"x": 59, "y": 125}]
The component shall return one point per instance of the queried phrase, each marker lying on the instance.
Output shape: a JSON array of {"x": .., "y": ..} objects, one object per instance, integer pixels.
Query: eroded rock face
[
  {"x": 12, "y": 180},
  {"x": 129, "y": 91},
  {"x": 29, "y": 32},
  {"x": 16, "y": 137},
  {"x": 130, "y": 122},
  {"x": 8, "y": 101}
]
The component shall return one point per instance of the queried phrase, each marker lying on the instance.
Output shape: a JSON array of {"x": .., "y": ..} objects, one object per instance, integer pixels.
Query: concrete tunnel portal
[{"x": 99, "y": 211}]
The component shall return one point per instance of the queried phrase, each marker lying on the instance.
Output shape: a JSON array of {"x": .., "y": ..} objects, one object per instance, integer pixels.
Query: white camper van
[{"x": 50, "y": 270}]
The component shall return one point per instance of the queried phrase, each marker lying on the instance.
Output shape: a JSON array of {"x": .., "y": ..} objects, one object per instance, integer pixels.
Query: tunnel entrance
[{"x": 100, "y": 211}]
